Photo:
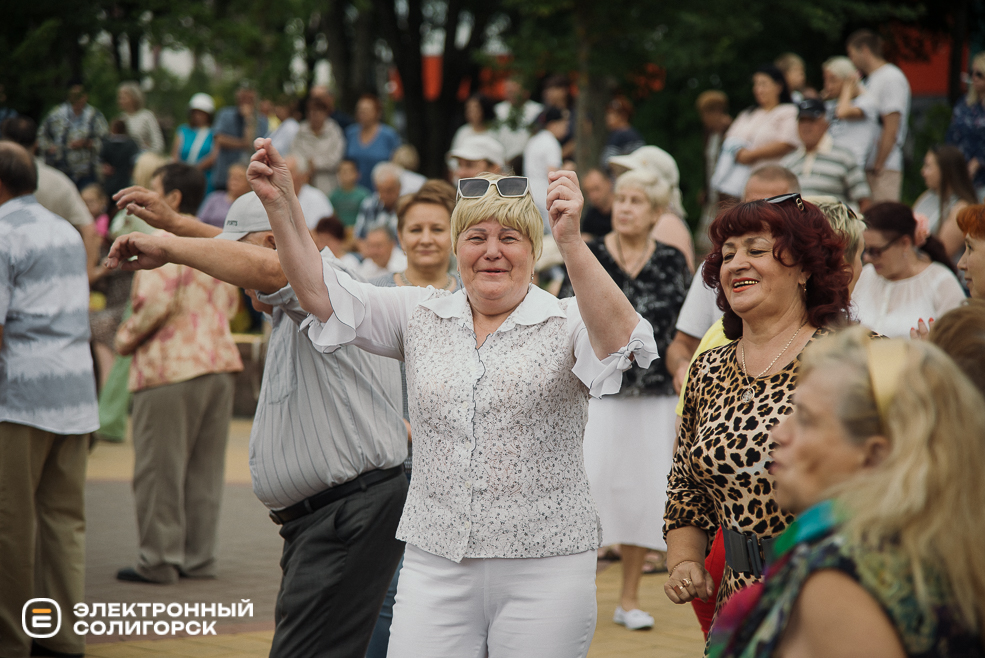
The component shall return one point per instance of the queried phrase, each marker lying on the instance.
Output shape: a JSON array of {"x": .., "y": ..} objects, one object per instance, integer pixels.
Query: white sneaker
[{"x": 634, "y": 620}]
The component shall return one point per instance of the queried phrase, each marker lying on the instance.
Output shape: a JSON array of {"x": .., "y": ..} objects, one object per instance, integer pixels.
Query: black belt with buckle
[
  {"x": 746, "y": 554},
  {"x": 338, "y": 492}
]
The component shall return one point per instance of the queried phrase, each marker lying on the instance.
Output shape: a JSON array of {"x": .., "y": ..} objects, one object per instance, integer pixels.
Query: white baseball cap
[
  {"x": 246, "y": 215},
  {"x": 202, "y": 102},
  {"x": 480, "y": 147}
]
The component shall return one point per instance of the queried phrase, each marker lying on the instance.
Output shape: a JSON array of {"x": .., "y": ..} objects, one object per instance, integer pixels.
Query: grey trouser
[{"x": 179, "y": 440}]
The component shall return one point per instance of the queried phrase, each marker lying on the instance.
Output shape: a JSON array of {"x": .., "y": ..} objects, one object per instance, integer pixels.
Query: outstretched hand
[
  {"x": 564, "y": 204},
  {"x": 148, "y": 206},
  {"x": 268, "y": 173},
  {"x": 137, "y": 251}
]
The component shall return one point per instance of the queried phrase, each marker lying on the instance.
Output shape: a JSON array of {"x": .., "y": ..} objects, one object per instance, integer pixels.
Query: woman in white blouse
[
  {"x": 770, "y": 128},
  {"x": 500, "y": 525},
  {"x": 908, "y": 276}
]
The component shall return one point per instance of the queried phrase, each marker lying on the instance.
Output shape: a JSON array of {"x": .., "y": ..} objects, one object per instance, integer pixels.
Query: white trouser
[{"x": 503, "y": 608}]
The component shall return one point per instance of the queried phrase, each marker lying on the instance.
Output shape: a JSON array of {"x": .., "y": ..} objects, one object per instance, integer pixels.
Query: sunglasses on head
[
  {"x": 509, "y": 187},
  {"x": 783, "y": 198},
  {"x": 876, "y": 252}
]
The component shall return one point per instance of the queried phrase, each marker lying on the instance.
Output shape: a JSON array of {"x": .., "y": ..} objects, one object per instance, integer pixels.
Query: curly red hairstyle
[{"x": 802, "y": 237}]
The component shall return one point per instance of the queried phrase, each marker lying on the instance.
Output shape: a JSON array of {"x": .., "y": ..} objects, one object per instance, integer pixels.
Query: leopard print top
[{"x": 721, "y": 474}]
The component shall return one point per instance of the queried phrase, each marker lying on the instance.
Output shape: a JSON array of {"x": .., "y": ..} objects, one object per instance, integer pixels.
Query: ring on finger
[{"x": 686, "y": 582}]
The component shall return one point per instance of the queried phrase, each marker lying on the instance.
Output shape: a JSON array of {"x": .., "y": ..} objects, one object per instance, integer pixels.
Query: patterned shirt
[
  {"x": 829, "y": 170},
  {"x": 720, "y": 475},
  {"x": 63, "y": 126},
  {"x": 498, "y": 430},
  {"x": 657, "y": 293},
  {"x": 372, "y": 215},
  {"x": 753, "y": 622},
  {"x": 46, "y": 378},
  {"x": 179, "y": 329}
]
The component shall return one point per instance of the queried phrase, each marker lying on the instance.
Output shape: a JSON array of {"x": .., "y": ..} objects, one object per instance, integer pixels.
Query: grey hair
[{"x": 384, "y": 170}]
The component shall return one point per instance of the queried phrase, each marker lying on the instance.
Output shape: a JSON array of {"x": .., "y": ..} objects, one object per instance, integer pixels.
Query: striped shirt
[
  {"x": 46, "y": 378},
  {"x": 322, "y": 419},
  {"x": 829, "y": 170}
]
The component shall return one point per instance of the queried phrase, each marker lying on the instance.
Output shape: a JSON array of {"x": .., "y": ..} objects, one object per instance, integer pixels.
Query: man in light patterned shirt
[
  {"x": 328, "y": 440},
  {"x": 47, "y": 408}
]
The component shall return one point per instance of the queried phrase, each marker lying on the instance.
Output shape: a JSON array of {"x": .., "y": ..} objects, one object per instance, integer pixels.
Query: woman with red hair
[
  {"x": 779, "y": 270},
  {"x": 971, "y": 221}
]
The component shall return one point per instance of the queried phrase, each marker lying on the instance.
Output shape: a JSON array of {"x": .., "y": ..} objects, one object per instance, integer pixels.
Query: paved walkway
[{"x": 249, "y": 554}]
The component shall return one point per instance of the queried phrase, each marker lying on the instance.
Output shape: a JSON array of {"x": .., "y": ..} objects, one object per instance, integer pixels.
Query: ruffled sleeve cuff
[
  {"x": 604, "y": 377},
  {"x": 350, "y": 310}
]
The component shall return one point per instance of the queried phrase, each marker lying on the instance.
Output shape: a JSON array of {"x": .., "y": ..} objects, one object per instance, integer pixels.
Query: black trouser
[{"x": 337, "y": 564}]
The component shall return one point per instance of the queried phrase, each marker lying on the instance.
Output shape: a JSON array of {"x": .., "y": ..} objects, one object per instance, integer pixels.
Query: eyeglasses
[
  {"x": 783, "y": 198},
  {"x": 876, "y": 252},
  {"x": 509, "y": 187}
]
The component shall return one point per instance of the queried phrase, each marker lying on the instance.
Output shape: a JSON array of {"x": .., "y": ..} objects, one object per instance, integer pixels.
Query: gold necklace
[
  {"x": 449, "y": 284},
  {"x": 639, "y": 263},
  {"x": 749, "y": 389}
]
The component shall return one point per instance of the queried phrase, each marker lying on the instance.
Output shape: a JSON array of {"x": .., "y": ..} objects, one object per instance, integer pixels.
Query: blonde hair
[
  {"x": 132, "y": 89},
  {"x": 979, "y": 61},
  {"x": 517, "y": 213},
  {"x": 842, "y": 221},
  {"x": 654, "y": 188},
  {"x": 840, "y": 66},
  {"x": 147, "y": 163},
  {"x": 928, "y": 495}
]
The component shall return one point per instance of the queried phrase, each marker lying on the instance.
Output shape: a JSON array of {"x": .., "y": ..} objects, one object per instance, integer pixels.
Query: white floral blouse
[{"x": 498, "y": 464}]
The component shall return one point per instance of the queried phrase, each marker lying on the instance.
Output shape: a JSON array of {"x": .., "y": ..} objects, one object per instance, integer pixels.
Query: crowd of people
[{"x": 475, "y": 388}]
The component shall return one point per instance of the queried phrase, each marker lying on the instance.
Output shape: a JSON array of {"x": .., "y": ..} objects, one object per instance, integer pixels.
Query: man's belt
[
  {"x": 746, "y": 554},
  {"x": 338, "y": 492}
]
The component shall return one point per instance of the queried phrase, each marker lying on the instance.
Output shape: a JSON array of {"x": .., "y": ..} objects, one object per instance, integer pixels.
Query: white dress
[
  {"x": 891, "y": 308},
  {"x": 629, "y": 443}
]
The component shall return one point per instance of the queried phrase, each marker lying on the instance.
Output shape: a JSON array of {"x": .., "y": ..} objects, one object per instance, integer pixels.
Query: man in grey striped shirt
[
  {"x": 47, "y": 409},
  {"x": 328, "y": 439},
  {"x": 822, "y": 167}
]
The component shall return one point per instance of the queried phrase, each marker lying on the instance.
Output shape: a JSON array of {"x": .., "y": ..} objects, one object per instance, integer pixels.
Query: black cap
[{"x": 811, "y": 108}]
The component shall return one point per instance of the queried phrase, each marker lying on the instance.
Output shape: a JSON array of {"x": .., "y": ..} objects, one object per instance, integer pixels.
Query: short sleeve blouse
[
  {"x": 758, "y": 127},
  {"x": 498, "y": 430}
]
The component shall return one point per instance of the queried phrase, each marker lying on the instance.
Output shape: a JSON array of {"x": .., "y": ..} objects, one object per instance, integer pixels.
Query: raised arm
[
  {"x": 271, "y": 180},
  {"x": 238, "y": 263},
  {"x": 150, "y": 207},
  {"x": 608, "y": 315}
]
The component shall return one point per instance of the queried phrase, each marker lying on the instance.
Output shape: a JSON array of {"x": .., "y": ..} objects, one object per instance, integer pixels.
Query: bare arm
[
  {"x": 890, "y": 129},
  {"x": 845, "y": 110},
  {"x": 92, "y": 241},
  {"x": 687, "y": 578},
  {"x": 150, "y": 207},
  {"x": 298, "y": 254},
  {"x": 834, "y": 616},
  {"x": 950, "y": 233},
  {"x": 678, "y": 356},
  {"x": 608, "y": 315},
  {"x": 771, "y": 151},
  {"x": 240, "y": 264}
]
